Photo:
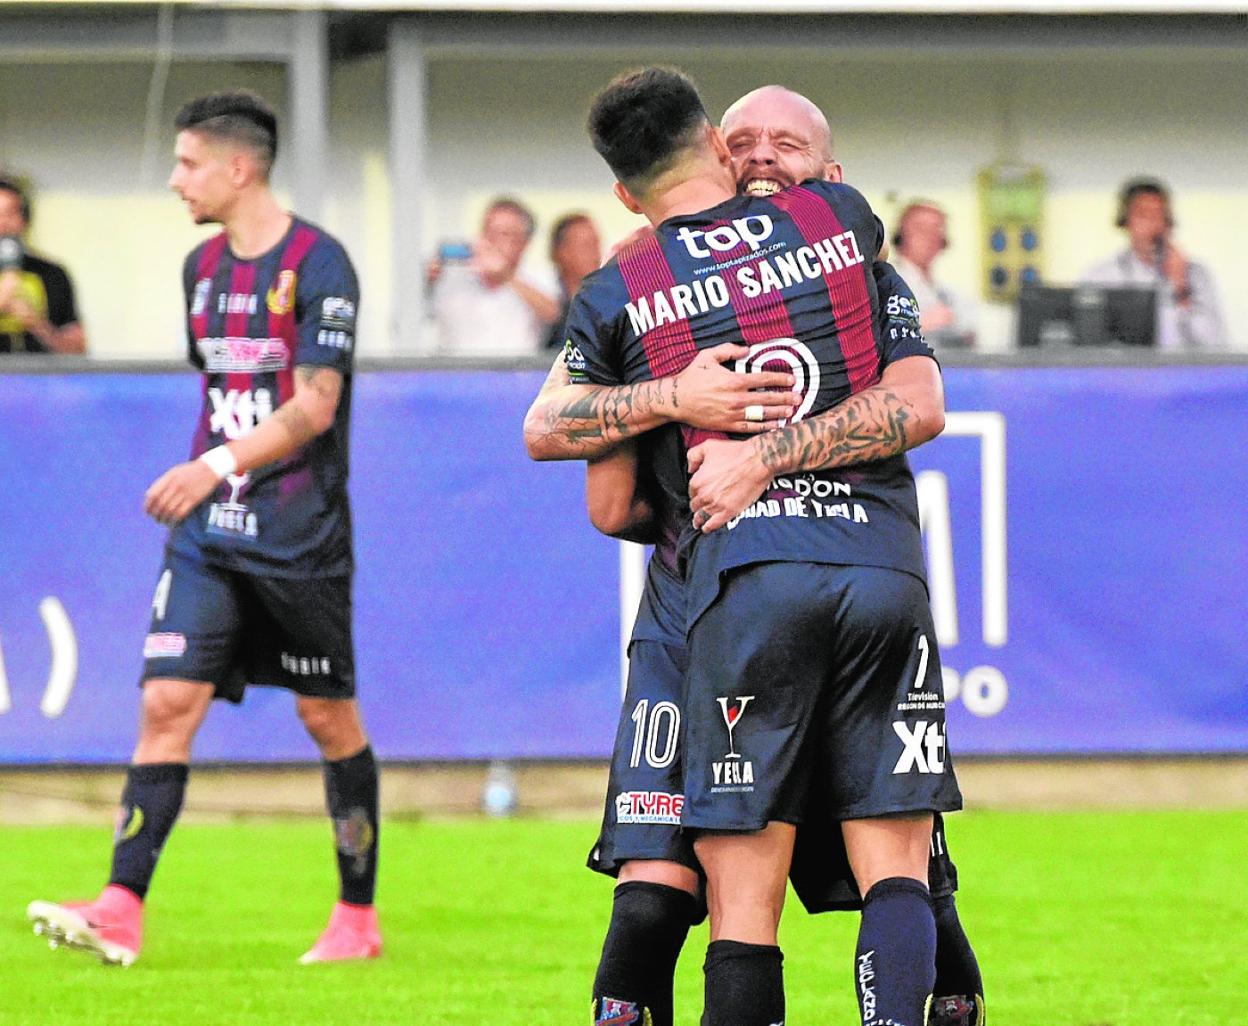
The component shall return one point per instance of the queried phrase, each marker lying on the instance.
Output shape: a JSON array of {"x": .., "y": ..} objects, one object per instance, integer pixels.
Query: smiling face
[{"x": 777, "y": 138}]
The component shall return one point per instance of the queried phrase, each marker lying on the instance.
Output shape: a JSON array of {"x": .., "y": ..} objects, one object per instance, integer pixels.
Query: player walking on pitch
[{"x": 256, "y": 582}]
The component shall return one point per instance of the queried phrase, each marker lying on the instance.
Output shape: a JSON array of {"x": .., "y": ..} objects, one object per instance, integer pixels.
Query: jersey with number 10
[
  {"x": 249, "y": 324},
  {"x": 790, "y": 276}
]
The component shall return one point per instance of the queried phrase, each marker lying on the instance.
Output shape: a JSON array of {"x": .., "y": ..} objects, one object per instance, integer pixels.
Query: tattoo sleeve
[
  {"x": 598, "y": 417},
  {"x": 871, "y": 425}
]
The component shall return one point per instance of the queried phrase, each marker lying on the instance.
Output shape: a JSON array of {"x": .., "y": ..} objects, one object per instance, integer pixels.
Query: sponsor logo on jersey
[
  {"x": 236, "y": 412},
  {"x": 648, "y": 807},
  {"x": 237, "y": 303},
  {"x": 753, "y": 231},
  {"x": 337, "y": 313},
  {"x": 335, "y": 339},
  {"x": 281, "y": 297},
  {"x": 733, "y": 773},
  {"x": 243, "y": 355},
  {"x": 573, "y": 358},
  {"x": 164, "y": 645},
  {"x": 923, "y": 747},
  {"x": 199, "y": 298},
  {"x": 306, "y": 666},
  {"x": 233, "y": 517}
]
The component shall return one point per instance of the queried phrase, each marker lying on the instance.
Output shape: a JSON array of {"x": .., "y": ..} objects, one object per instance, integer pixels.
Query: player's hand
[
  {"x": 708, "y": 395},
  {"x": 491, "y": 264},
  {"x": 177, "y": 491},
  {"x": 727, "y": 477},
  {"x": 1174, "y": 266}
]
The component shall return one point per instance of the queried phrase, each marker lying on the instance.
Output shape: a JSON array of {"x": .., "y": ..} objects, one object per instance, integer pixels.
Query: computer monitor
[{"x": 1087, "y": 315}]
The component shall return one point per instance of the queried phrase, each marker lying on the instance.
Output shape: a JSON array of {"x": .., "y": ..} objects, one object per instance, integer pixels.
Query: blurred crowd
[{"x": 490, "y": 297}]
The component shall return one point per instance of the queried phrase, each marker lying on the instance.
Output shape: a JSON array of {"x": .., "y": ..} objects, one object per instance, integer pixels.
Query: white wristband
[{"x": 221, "y": 460}]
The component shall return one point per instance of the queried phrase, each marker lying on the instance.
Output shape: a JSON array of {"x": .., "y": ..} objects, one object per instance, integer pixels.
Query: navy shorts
[
  {"x": 644, "y": 799},
  {"x": 233, "y": 629},
  {"x": 811, "y": 679}
]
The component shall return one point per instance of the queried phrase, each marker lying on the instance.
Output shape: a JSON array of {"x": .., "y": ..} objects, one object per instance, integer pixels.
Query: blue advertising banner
[{"x": 1084, "y": 530}]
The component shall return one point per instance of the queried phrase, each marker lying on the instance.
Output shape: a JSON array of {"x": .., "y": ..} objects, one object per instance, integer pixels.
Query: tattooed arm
[
  {"x": 306, "y": 414},
  {"x": 576, "y": 422},
  {"x": 906, "y": 408}
]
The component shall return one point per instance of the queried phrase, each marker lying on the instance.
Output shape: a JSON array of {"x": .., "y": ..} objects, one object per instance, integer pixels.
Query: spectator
[
  {"x": 37, "y": 313},
  {"x": 1188, "y": 314},
  {"x": 947, "y": 318},
  {"x": 575, "y": 250},
  {"x": 485, "y": 306}
]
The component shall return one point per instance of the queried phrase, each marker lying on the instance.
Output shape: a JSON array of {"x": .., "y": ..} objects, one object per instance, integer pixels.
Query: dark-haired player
[
  {"x": 256, "y": 582},
  {"x": 777, "y": 138},
  {"x": 812, "y": 663}
]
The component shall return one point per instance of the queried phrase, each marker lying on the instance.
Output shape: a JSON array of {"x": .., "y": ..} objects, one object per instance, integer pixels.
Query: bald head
[{"x": 777, "y": 138}]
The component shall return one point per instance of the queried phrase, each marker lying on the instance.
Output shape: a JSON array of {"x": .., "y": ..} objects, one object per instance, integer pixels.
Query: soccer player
[
  {"x": 256, "y": 582},
  {"x": 777, "y": 138},
  {"x": 812, "y": 661}
]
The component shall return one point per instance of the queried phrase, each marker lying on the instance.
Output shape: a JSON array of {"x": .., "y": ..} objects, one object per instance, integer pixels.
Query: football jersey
[
  {"x": 249, "y": 324},
  {"x": 791, "y": 276}
]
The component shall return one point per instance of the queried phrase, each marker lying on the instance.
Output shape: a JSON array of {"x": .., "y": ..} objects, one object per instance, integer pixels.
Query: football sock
[
  {"x": 150, "y": 803},
  {"x": 744, "y": 985},
  {"x": 351, "y": 797},
  {"x": 957, "y": 970},
  {"x": 649, "y": 924},
  {"x": 895, "y": 964}
]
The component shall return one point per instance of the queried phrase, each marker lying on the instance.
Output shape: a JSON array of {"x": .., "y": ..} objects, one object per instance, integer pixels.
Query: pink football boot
[
  {"x": 352, "y": 933},
  {"x": 110, "y": 928}
]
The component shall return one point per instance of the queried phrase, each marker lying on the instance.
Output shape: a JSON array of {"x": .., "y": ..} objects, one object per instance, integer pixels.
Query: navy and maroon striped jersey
[
  {"x": 249, "y": 324},
  {"x": 794, "y": 277}
]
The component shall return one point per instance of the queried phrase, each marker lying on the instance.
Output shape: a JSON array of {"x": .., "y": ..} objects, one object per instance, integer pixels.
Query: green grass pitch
[{"x": 1079, "y": 919}]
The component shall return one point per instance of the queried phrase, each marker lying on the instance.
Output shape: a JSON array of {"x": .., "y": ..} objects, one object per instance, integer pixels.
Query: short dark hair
[
  {"x": 240, "y": 116},
  {"x": 1134, "y": 187},
  {"x": 517, "y": 208},
  {"x": 642, "y": 120},
  {"x": 12, "y": 185},
  {"x": 560, "y": 228}
]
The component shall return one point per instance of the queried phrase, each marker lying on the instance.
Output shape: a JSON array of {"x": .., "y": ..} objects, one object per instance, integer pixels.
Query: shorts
[
  {"x": 813, "y": 679},
  {"x": 232, "y": 629},
  {"x": 824, "y": 882},
  {"x": 644, "y": 800}
]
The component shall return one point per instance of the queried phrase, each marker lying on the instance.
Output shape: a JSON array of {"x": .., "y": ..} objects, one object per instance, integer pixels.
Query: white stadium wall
[{"x": 905, "y": 124}]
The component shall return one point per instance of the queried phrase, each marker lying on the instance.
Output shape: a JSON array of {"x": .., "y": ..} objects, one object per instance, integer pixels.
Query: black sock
[
  {"x": 150, "y": 803},
  {"x": 744, "y": 984},
  {"x": 895, "y": 964},
  {"x": 959, "y": 991},
  {"x": 351, "y": 796},
  {"x": 649, "y": 923}
]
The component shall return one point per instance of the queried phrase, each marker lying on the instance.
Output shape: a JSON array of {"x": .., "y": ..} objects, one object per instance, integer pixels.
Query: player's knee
[
  {"x": 331, "y": 723},
  {"x": 171, "y": 708}
]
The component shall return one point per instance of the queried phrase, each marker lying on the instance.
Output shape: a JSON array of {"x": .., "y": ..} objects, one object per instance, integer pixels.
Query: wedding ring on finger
[{"x": 754, "y": 413}]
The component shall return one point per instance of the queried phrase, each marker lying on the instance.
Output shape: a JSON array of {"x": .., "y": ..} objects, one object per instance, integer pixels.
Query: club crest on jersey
[
  {"x": 613, "y": 1012},
  {"x": 733, "y": 773},
  {"x": 281, "y": 297}
]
